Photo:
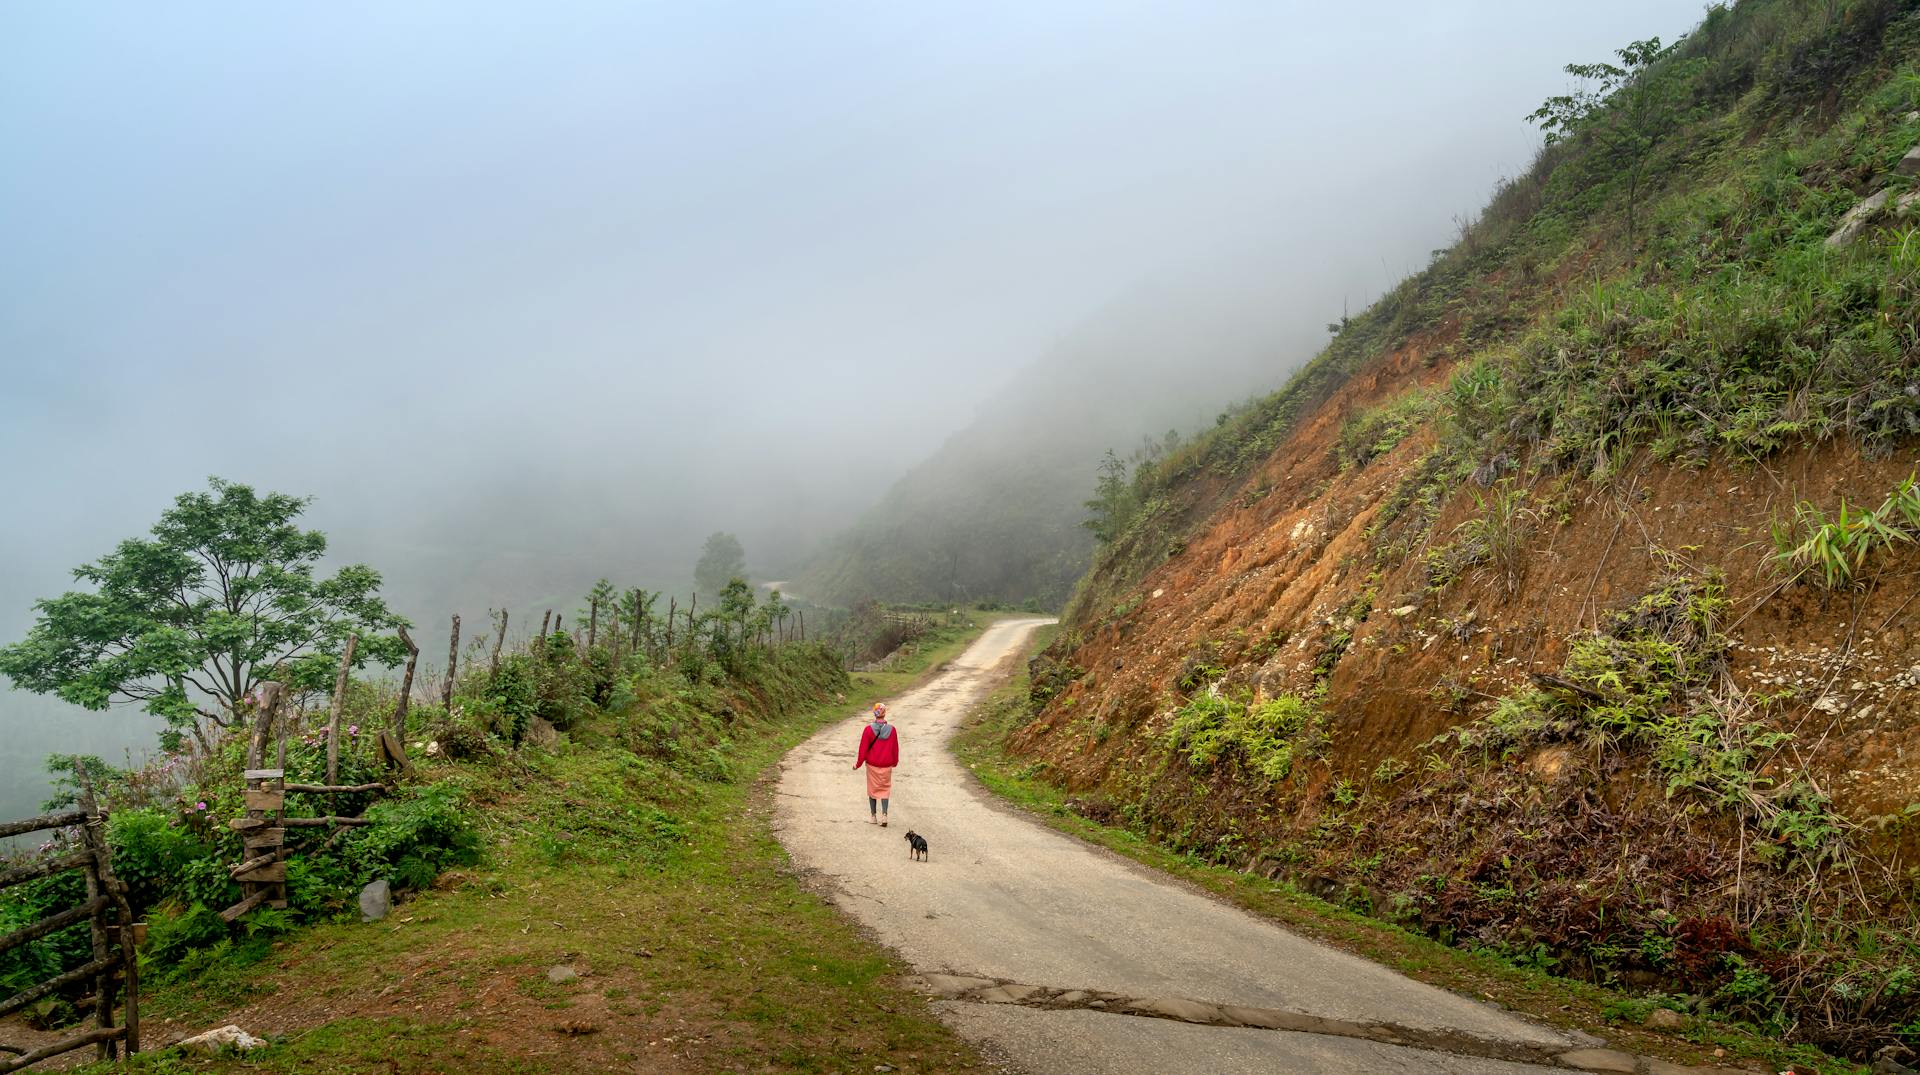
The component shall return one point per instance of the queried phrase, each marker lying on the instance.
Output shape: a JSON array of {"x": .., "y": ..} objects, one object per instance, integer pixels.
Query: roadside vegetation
[{"x": 588, "y": 799}]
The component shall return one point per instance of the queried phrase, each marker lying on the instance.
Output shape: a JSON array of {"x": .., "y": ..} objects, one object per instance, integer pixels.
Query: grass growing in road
[
  {"x": 1483, "y": 975},
  {"x": 695, "y": 946}
]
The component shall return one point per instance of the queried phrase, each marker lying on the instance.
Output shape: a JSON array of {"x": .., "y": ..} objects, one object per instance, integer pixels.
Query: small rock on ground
[
  {"x": 1665, "y": 1019},
  {"x": 376, "y": 899},
  {"x": 226, "y": 1037},
  {"x": 562, "y": 974}
]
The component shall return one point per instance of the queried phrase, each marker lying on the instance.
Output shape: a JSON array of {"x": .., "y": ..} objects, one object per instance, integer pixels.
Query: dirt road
[{"x": 1065, "y": 958}]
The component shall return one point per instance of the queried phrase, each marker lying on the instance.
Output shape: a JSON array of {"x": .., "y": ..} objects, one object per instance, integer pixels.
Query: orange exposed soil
[{"x": 1306, "y": 576}]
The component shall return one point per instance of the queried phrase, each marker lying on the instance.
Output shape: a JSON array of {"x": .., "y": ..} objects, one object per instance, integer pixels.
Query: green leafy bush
[
  {"x": 512, "y": 697},
  {"x": 412, "y": 839},
  {"x": 23, "y": 905},
  {"x": 152, "y": 850},
  {"x": 1264, "y": 735}
]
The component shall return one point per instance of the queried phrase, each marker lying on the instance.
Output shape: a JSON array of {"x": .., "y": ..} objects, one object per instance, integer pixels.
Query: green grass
[
  {"x": 697, "y": 949},
  {"x": 1479, "y": 973}
]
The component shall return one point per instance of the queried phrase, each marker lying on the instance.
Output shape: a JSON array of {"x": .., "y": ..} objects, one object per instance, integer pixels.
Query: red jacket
[{"x": 878, "y": 752}]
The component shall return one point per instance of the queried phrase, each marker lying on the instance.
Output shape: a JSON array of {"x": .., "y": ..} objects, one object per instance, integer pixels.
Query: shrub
[
  {"x": 513, "y": 695},
  {"x": 152, "y": 851},
  {"x": 23, "y": 905},
  {"x": 412, "y": 839},
  {"x": 1265, "y": 735}
]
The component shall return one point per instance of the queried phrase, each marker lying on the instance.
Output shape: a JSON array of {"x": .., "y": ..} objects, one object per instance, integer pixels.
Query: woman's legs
[
  {"x": 873, "y": 811},
  {"x": 883, "y": 812}
]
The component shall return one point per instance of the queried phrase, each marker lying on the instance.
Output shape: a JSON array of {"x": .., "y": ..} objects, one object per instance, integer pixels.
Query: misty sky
[{"x": 590, "y": 280}]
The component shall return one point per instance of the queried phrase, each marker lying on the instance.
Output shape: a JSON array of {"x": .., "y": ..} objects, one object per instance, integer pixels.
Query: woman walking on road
[{"x": 879, "y": 752}]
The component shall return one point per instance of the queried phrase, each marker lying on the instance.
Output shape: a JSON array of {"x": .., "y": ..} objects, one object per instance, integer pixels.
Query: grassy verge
[
  {"x": 694, "y": 946},
  {"x": 1556, "y": 1001}
]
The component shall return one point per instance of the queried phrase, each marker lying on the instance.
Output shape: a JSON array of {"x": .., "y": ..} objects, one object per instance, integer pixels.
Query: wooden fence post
[
  {"x": 406, "y": 688},
  {"x": 593, "y": 621},
  {"x": 267, "y": 698},
  {"x": 544, "y": 617},
  {"x": 115, "y": 934},
  {"x": 91, "y": 836},
  {"x": 499, "y": 640},
  {"x": 453, "y": 662},
  {"x": 339, "y": 704}
]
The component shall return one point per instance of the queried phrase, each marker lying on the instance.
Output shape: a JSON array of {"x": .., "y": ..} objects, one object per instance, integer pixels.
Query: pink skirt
[{"x": 879, "y": 781}]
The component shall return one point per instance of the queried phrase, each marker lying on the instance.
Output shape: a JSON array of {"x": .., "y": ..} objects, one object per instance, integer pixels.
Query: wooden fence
[
  {"x": 262, "y": 870},
  {"x": 115, "y": 935}
]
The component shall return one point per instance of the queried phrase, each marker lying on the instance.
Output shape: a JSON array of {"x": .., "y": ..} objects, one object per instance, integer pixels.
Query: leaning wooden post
[
  {"x": 544, "y": 617},
  {"x": 92, "y": 836},
  {"x": 499, "y": 640},
  {"x": 406, "y": 686},
  {"x": 266, "y": 701},
  {"x": 339, "y": 704},
  {"x": 672, "y": 603},
  {"x": 453, "y": 664},
  {"x": 803, "y": 624}
]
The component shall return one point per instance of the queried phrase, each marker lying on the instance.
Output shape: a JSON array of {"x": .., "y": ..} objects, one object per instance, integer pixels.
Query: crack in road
[{"x": 978, "y": 990}]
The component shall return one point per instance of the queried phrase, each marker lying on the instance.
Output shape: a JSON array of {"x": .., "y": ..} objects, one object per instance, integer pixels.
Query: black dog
[{"x": 916, "y": 846}]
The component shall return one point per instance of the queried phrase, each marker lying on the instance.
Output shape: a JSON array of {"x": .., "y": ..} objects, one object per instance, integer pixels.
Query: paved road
[{"x": 1007, "y": 899}]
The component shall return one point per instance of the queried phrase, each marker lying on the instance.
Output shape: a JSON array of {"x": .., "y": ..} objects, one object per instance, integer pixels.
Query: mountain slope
[
  {"x": 1517, "y": 615},
  {"x": 995, "y": 514}
]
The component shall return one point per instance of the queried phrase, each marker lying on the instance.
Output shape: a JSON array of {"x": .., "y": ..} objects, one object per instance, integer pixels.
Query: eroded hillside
[{"x": 1566, "y": 604}]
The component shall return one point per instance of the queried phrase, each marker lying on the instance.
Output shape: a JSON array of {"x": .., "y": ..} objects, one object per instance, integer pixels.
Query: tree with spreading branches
[{"x": 224, "y": 596}]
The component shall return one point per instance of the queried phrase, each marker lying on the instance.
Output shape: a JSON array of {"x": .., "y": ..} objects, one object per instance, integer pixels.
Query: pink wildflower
[{"x": 200, "y": 806}]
